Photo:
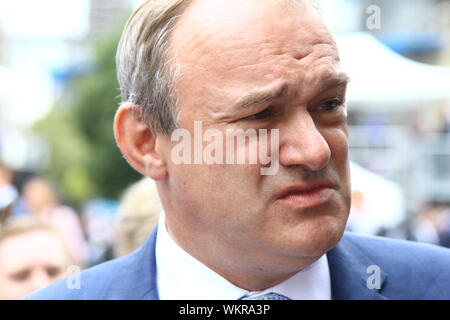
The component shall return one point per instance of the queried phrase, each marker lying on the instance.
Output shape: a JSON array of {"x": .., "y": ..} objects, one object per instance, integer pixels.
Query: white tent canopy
[
  {"x": 381, "y": 77},
  {"x": 376, "y": 202}
]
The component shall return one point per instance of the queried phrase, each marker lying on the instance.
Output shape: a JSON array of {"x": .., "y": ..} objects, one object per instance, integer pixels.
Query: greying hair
[{"x": 145, "y": 72}]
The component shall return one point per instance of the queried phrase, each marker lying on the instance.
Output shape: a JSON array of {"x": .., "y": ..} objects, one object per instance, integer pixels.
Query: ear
[{"x": 138, "y": 143}]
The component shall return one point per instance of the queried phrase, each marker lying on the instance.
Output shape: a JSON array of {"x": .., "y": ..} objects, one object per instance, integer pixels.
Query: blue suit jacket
[{"x": 407, "y": 271}]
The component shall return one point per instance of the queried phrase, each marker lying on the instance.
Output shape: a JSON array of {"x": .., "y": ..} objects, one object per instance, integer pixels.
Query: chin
[
  {"x": 316, "y": 238},
  {"x": 323, "y": 232}
]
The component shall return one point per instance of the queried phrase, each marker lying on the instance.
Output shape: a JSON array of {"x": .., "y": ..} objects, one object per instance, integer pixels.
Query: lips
[{"x": 307, "y": 195}]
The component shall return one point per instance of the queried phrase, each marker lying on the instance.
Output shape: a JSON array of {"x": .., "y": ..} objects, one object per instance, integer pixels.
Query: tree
[{"x": 85, "y": 160}]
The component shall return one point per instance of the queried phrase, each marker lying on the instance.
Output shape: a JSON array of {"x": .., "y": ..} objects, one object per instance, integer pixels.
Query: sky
[
  {"x": 36, "y": 30},
  {"x": 39, "y": 18}
]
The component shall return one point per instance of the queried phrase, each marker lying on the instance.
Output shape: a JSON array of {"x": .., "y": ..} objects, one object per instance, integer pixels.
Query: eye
[
  {"x": 263, "y": 115},
  {"x": 21, "y": 275},
  {"x": 53, "y": 272},
  {"x": 331, "y": 105}
]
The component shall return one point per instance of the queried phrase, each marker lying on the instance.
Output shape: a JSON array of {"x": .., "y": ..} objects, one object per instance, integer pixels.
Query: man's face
[
  {"x": 229, "y": 51},
  {"x": 29, "y": 262}
]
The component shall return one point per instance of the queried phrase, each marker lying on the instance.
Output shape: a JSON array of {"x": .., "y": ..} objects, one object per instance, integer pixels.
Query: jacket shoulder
[
  {"x": 414, "y": 270},
  {"x": 395, "y": 250}
]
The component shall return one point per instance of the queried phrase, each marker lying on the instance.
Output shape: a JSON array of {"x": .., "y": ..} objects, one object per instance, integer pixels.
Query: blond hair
[
  {"x": 139, "y": 213},
  {"x": 22, "y": 225}
]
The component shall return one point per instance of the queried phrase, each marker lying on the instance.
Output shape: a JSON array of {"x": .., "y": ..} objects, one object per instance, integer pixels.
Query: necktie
[{"x": 267, "y": 296}]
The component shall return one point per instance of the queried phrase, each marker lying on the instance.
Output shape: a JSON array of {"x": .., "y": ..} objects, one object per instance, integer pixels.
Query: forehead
[
  {"x": 225, "y": 29},
  {"x": 30, "y": 249},
  {"x": 252, "y": 43},
  {"x": 216, "y": 22}
]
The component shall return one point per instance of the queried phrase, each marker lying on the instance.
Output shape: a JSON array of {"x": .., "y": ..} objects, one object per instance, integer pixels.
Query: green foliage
[{"x": 85, "y": 160}]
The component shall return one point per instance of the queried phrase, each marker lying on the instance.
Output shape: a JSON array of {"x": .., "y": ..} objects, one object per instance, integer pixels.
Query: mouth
[{"x": 307, "y": 196}]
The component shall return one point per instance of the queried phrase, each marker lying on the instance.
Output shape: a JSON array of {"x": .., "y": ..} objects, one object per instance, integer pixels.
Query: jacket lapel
[
  {"x": 149, "y": 261},
  {"x": 349, "y": 275}
]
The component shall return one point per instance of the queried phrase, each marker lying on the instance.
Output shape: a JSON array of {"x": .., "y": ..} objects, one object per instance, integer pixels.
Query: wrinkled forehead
[
  {"x": 224, "y": 48},
  {"x": 213, "y": 28}
]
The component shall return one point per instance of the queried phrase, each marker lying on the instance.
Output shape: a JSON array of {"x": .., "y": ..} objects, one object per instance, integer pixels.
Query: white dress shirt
[{"x": 182, "y": 277}]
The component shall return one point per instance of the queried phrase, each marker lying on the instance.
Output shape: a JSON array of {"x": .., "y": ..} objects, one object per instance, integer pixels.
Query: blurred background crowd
[{"x": 67, "y": 197}]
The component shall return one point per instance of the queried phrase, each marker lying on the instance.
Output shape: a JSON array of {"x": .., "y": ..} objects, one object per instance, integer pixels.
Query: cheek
[
  {"x": 337, "y": 140},
  {"x": 12, "y": 290},
  {"x": 219, "y": 195},
  {"x": 338, "y": 143},
  {"x": 230, "y": 185}
]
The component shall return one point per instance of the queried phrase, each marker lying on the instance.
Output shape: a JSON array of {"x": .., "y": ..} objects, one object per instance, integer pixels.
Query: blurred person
[
  {"x": 229, "y": 231},
  {"x": 99, "y": 217},
  {"x": 41, "y": 201},
  {"x": 8, "y": 192},
  {"x": 443, "y": 126},
  {"x": 138, "y": 214},
  {"x": 446, "y": 129},
  {"x": 432, "y": 224},
  {"x": 32, "y": 255}
]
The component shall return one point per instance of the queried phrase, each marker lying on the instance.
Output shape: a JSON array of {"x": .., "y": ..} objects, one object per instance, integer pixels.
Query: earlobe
[{"x": 138, "y": 143}]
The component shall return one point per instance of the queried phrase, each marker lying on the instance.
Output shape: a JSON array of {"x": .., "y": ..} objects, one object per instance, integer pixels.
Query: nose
[
  {"x": 302, "y": 144},
  {"x": 39, "y": 280}
]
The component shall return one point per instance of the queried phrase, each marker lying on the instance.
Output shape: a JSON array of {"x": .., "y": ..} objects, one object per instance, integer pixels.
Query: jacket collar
[
  {"x": 348, "y": 271},
  {"x": 146, "y": 287}
]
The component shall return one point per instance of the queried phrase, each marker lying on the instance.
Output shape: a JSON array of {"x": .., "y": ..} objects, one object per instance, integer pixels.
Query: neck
[{"x": 247, "y": 268}]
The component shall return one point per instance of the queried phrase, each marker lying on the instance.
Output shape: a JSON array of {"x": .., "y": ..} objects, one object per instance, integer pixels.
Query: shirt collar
[{"x": 182, "y": 277}]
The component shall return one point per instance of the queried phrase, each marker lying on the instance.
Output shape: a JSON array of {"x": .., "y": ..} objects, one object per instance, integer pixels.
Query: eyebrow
[
  {"x": 339, "y": 79},
  {"x": 263, "y": 96}
]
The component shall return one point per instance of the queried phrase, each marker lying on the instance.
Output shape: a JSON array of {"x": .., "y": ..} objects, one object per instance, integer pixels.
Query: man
[
  {"x": 8, "y": 192},
  {"x": 231, "y": 230},
  {"x": 32, "y": 255}
]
